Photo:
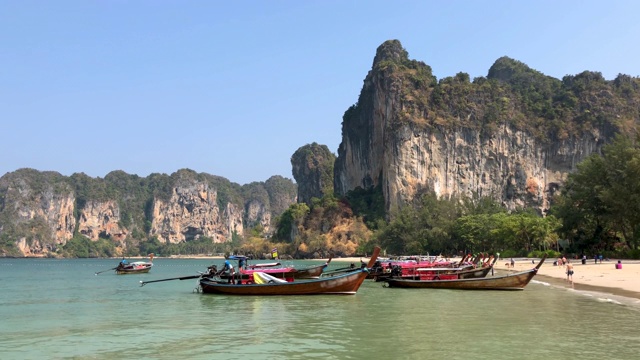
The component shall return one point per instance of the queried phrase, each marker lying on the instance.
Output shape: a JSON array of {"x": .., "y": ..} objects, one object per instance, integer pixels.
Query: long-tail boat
[
  {"x": 437, "y": 271},
  {"x": 515, "y": 281},
  {"x": 444, "y": 273},
  {"x": 344, "y": 284},
  {"x": 384, "y": 269},
  {"x": 136, "y": 267}
]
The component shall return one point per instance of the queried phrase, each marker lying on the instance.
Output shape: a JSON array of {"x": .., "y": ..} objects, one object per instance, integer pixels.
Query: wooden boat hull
[
  {"x": 142, "y": 270},
  {"x": 136, "y": 269},
  {"x": 516, "y": 281},
  {"x": 344, "y": 284}
]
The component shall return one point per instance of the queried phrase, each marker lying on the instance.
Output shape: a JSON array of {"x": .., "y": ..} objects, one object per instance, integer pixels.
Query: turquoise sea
[{"x": 59, "y": 309}]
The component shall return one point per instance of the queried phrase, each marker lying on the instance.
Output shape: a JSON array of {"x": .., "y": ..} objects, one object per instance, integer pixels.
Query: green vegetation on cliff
[
  {"x": 313, "y": 171},
  {"x": 32, "y": 206},
  {"x": 511, "y": 94}
]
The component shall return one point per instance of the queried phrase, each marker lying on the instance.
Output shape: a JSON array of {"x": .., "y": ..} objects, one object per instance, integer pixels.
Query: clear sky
[{"x": 234, "y": 88}]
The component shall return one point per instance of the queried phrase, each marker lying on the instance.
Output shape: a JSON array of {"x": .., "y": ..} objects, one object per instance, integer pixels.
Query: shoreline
[{"x": 601, "y": 278}]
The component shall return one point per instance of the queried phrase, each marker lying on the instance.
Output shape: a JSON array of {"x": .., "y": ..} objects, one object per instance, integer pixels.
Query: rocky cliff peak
[
  {"x": 505, "y": 67},
  {"x": 513, "y": 136},
  {"x": 516, "y": 72},
  {"x": 390, "y": 50},
  {"x": 313, "y": 171}
]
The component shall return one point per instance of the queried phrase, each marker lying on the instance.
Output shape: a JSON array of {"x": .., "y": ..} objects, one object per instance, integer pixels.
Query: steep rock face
[
  {"x": 312, "y": 167},
  {"x": 509, "y": 166},
  {"x": 39, "y": 211},
  {"x": 191, "y": 212},
  {"x": 391, "y": 138},
  {"x": 257, "y": 213},
  {"x": 100, "y": 219},
  {"x": 282, "y": 193},
  {"x": 231, "y": 223},
  {"x": 36, "y": 210}
]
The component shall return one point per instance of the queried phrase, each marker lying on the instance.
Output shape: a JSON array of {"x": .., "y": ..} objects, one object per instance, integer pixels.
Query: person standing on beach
[
  {"x": 512, "y": 263},
  {"x": 569, "y": 271}
]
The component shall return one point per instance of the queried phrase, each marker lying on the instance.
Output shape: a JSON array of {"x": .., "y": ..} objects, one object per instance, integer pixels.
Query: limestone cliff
[
  {"x": 410, "y": 133},
  {"x": 40, "y": 211},
  {"x": 36, "y": 212},
  {"x": 191, "y": 212},
  {"x": 258, "y": 214},
  {"x": 101, "y": 219},
  {"x": 312, "y": 167}
]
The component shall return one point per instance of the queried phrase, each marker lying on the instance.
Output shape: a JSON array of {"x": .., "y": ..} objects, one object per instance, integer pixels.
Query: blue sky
[{"x": 234, "y": 88}]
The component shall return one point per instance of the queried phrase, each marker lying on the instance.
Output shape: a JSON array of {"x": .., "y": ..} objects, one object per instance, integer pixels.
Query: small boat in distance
[
  {"x": 347, "y": 283},
  {"x": 515, "y": 281},
  {"x": 136, "y": 267}
]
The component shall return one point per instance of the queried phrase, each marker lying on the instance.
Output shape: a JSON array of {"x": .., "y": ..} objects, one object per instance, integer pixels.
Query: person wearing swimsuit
[{"x": 569, "y": 271}]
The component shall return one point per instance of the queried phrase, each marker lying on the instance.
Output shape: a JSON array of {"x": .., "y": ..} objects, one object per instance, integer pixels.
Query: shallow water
[{"x": 60, "y": 309}]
